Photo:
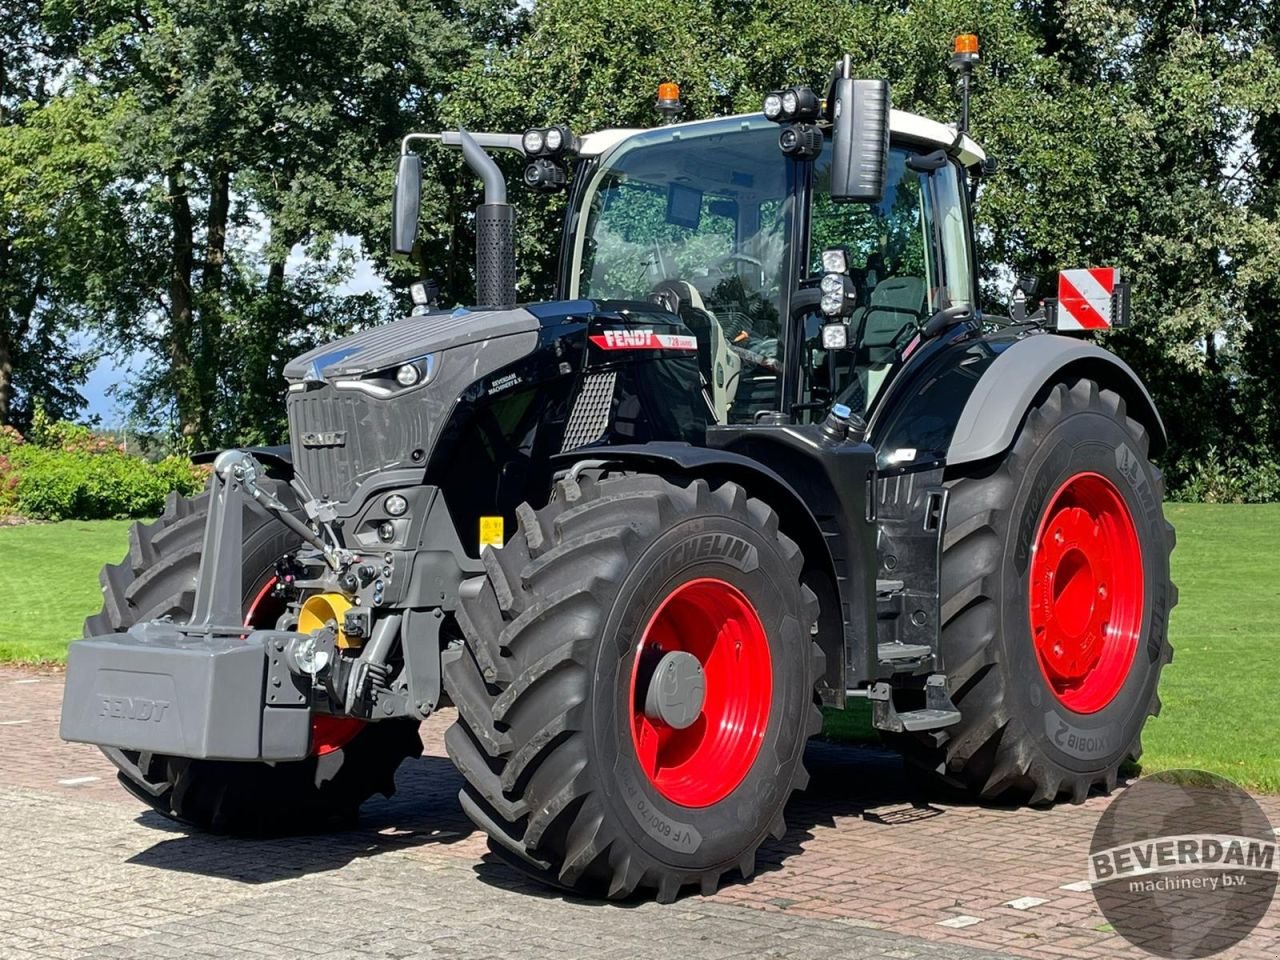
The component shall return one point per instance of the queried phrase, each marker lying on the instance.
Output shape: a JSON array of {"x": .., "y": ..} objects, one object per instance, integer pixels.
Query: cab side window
[{"x": 906, "y": 259}]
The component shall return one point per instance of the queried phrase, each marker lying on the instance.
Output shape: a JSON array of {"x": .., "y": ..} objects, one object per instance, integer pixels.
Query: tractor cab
[{"x": 714, "y": 221}]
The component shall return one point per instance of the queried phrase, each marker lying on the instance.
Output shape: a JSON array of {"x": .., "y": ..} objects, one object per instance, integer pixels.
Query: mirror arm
[{"x": 946, "y": 318}]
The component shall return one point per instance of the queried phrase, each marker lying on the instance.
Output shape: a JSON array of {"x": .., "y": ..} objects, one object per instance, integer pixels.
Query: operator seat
[
  {"x": 895, "y": 303},
  {"x": 719, "y": 364}
]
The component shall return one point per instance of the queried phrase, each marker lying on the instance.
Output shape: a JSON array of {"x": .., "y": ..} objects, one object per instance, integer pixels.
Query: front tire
[
  {"x": 157, "y": 579},
  {"x": 1055, "y": 598},
  {"x": 583, "y": 758}
]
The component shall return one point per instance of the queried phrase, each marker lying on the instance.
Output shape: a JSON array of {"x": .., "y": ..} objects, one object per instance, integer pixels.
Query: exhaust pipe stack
[
  {"x": 495, "y": 230},
  {"x": 495, "y": 218}
]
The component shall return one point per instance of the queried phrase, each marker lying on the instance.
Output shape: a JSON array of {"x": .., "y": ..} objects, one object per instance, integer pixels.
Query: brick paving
[{"x": 876, "y": 865}]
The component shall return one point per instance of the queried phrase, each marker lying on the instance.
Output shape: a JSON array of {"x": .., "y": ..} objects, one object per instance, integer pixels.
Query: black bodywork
[{"x": 870, "y": 526}]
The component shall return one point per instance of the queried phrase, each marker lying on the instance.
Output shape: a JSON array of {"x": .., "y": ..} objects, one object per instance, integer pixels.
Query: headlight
[
  {"x": 790, "y": 103},
  {"x": 396, "y": 505},
  {"x": 554, "y": 139},
  {"x": 408, "y": 375},
  {"x": 773, "y": 106}
]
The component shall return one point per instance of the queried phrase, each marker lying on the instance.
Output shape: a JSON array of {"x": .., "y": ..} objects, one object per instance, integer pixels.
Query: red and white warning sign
[
  {"x": 643, "y": 340},
  {"x": 1086, "y": 298}
]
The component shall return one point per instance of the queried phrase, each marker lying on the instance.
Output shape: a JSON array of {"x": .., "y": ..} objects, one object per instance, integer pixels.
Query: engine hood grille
[{"x": 341, "y": 437}]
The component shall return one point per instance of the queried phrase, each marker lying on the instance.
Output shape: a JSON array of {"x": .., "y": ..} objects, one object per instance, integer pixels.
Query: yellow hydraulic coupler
[{"x": 319, "y": 609}]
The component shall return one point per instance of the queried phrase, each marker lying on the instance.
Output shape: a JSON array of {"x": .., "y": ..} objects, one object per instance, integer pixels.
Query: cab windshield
[{"x": 698, "y": 219}]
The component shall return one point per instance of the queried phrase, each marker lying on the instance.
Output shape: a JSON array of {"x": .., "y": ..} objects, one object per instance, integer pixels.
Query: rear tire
[
  {"x": 562, "y": 767},
  {"x": 1027, "y": 733},
  {"x": 157, "y": 579}
]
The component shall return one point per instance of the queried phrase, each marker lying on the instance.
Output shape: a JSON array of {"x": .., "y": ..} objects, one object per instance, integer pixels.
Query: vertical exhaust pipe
[{"x": 495, "y": 230}]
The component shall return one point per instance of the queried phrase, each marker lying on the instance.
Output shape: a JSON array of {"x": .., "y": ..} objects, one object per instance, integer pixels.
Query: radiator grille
[
  {"x": 376, "y": 435},
  {"x": 590, "y": 416}
]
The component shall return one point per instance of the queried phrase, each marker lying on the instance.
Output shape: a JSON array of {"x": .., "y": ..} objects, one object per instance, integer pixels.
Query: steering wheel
[{"x": 742, "y": 258}]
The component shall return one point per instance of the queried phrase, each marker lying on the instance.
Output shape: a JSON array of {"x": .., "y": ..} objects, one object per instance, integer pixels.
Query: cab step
[
  {"x": 938, "y": 712},
  {"x": 897, "y": 653}
]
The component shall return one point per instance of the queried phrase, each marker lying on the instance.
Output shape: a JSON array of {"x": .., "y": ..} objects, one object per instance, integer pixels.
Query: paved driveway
[{"x": 874, "y": 867}]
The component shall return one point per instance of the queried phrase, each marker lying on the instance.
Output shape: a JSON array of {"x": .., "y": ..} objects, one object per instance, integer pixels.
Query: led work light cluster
[
  {"x": 546, "y": 148},
  {"x": 799, "y": 108},
  {"x": 838, "y": 298}
]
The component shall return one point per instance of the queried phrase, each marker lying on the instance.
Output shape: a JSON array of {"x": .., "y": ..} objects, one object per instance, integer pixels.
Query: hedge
[{"x": 65, "y": 472}]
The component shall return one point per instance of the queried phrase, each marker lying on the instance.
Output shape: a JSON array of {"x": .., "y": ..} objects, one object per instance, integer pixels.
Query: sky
[{"x": 114, "y": 369}]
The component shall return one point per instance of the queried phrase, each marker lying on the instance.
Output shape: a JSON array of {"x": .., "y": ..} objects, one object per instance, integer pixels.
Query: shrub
[
  {"x": 67, "y": 472},
  {"x": 1232, "y": 479}
]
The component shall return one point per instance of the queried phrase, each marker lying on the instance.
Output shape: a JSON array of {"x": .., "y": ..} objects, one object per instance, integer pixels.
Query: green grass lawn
[
  {"x": 49, "y": 584},
  {"x": 1219, "y": 692}
]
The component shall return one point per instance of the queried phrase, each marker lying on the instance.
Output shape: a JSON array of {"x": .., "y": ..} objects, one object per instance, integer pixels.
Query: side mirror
[
  {"x": 859, "y": 139},
  {"x": 406, "y": 203}
]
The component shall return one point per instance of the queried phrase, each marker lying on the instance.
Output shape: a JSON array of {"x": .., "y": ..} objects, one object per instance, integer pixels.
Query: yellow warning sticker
[{"x": 491, "y": 532}]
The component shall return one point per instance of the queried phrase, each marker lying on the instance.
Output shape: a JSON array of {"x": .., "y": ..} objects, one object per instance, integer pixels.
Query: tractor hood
[{"x": 412, "y": 338}]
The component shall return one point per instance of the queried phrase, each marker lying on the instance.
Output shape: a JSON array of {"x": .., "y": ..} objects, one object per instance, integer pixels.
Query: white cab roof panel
[{"x": 901, "y": 124}]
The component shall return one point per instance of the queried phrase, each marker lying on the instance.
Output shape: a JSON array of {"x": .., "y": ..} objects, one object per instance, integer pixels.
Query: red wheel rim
[
  {"x": 1086, "y": 592},
  {"x": 328, "y": 733},
  {"x": 703, "y": 763}
]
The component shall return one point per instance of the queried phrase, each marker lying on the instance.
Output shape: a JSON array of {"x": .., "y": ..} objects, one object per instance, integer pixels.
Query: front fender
[
  {"x": 837, "y": 541},
  {"x": 278, "y": 460}
]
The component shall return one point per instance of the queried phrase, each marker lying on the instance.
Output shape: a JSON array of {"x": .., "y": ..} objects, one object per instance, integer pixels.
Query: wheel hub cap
[
  {"x": 676, "y": 691},
  {"x": 701, "y": 690},
  {"x": 1086, "y": 592}
]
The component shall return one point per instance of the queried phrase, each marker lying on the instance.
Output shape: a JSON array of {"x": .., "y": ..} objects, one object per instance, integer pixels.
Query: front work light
[
  {"x": 791, "y": 104},
  {"x": 838, "y": 295},
  {"x": 548, "y": 141},
  {"x": 835, "y": 336},
  {"x": 533, "y": 142},
  {"x": 835, "y": 260},
  {"x": 801, "y": 140},
  {"x": 408, "y": 375}
]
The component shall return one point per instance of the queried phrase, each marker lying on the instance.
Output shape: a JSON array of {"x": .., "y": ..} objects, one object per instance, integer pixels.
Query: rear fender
[
  {"x": 966, "y": 401},
  {"x": 1010, "y": 386}
]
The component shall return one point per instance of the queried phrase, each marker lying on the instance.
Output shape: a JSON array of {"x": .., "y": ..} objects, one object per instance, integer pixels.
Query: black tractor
[{"x": 765, "y": 453}]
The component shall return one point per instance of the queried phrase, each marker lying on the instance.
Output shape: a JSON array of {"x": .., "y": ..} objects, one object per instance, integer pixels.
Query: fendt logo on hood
[
  {"x": 643, "y": 340},
  {"x": 334, "y": 438},
  {"x": 132, "y": 708}
]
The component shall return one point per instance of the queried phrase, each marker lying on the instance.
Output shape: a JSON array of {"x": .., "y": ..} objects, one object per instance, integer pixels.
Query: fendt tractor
[{"x": 765, "y": 453}]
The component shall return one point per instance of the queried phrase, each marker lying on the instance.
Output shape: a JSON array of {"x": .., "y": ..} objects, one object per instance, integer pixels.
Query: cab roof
[{"x": 902, "y": 125}]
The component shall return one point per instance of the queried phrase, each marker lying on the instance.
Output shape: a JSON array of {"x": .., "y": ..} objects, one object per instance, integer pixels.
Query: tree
[
  {"x": 56, "y": 210},
  {"x": 276, "y": 118}
]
